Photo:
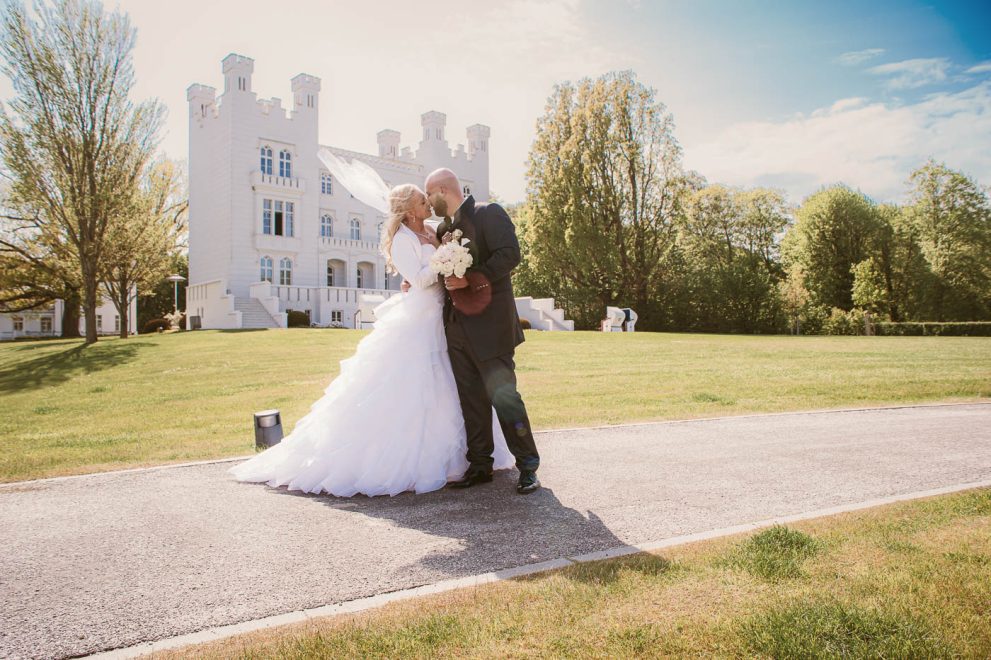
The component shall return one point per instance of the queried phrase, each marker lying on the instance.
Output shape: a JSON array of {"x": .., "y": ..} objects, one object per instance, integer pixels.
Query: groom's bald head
[{"x": 444, "y": 191}]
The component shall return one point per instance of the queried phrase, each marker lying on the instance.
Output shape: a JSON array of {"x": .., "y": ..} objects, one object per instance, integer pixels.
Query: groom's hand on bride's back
[{"x": 405, "y": 286}]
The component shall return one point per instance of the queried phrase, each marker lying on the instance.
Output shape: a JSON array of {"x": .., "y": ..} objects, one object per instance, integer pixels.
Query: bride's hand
[{"x": 453, "y": 283}]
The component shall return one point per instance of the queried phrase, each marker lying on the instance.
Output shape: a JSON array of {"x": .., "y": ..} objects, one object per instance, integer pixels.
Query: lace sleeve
[{"x": 406, "y": 256}]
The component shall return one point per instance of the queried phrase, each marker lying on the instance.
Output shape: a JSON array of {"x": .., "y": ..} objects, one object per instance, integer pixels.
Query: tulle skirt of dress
[{"x": 390, "y": 422}]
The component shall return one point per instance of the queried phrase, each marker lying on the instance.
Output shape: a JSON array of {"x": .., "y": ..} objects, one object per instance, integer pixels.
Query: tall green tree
[
  {"x": 951, "y": 215},
  {"x": 605, "y": 185},
  {"x": 835, "y": 229},
  {"x": 74, "y": 144},
  {"x": 143, "y": 243},
  {"x": 730, "y": 239}
]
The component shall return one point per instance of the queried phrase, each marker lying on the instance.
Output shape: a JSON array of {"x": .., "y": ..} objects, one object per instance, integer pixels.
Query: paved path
[{"x": 107, "y": 561}]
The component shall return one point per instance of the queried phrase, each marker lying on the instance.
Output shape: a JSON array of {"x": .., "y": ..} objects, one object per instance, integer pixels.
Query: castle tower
[
  {"x": 202, "y": 102},
  {"x": 237, "y": 73},
  {"x": 478, "y": 142},
  {"x": 388, "y": 143},
  {"x": 433, "y": 123},
  {"x": 306, "y": 94}
]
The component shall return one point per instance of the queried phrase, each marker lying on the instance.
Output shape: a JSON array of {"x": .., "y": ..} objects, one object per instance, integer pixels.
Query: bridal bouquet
[{"x": 452, "y": 258}]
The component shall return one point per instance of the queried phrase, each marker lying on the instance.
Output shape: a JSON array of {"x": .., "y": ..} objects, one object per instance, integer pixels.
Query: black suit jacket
[{"x": 496, "y": 331}]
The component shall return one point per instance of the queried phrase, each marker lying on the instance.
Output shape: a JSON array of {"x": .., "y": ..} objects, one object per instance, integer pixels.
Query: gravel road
[{"x": 107, "y": 561}]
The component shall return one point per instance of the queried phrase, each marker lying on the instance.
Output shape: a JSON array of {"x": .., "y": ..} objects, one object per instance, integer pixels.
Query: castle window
[
  {"x": 266, "y": 269},
  {"x": 326, "y": 227},
  {"x": 116, "y": 322},
  {"x": 18, "y": 324},
  {"x": 360, "y": 280},
  {"x": 266, "y": 158},
  {"x": 330, "y": 273},
  {"x": 466, "y": 190},
  {"x": 283, "y": 218},
  {"x": 266, "y": 216},
  {"x": 99, "y": 322},
  {"x": 285, "y": 163},
  {"x": 46, "y": 323},
  {"x": 290, "y": 216},
  {"x": 285, "y": 271},
  {"x": 337, "y": 316},
  {"x": 355, "y": 229},
  {"x": 440, "y": 133},
  {"x": 326, "y": 184}
]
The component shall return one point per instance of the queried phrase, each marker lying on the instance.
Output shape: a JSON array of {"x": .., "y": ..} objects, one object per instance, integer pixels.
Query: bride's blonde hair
[{"x": 400, "y": 199}]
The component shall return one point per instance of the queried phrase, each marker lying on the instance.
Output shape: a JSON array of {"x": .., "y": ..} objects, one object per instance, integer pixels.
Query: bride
[{"x": 391, "y": 421}]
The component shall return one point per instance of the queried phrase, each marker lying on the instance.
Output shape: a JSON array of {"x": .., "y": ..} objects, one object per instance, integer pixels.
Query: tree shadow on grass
[
  {"x": 74, "y": 360},
  {"x": 496, "y": 528}
]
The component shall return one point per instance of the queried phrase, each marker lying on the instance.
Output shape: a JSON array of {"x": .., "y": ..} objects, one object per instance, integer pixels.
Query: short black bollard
[{"x": 268, "y": 429}]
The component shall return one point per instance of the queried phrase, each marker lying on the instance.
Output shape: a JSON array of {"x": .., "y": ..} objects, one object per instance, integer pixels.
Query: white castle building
[
  {"x": 47, "y": 321},
  {"x": 270, "y": 230}
]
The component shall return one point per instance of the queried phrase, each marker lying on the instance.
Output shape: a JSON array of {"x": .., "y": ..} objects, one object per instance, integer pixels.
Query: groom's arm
[{"x": 504, "y": 247}]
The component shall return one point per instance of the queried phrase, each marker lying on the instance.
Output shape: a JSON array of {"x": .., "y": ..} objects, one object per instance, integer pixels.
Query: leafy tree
[
  {"x": 36, "y": 268},
  {"x": 729, "y": 239},
  {"x": 605, "y": 186},
  {"x": 143, "y": 242},
  {"x": 951, "y": 216},
  {"x": 835, "y": 229},
  {"x": 74, "y": 144}
]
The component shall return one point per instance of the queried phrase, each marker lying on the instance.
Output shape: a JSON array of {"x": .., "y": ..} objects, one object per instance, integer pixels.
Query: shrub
[
  {"x": 525, "y": 324},
  {"x": 156, "y": 325},
  {"x": 934, "y": 329},
  {"x": 295, "y": 319},
  {"x": 845, "y": 323}
]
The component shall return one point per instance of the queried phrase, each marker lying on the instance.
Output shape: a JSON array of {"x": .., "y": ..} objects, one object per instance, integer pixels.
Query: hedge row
[{"x": 933, "y": 329}]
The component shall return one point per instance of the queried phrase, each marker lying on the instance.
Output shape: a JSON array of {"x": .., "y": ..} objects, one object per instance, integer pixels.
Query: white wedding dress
[{"x": 391, "y": 421}]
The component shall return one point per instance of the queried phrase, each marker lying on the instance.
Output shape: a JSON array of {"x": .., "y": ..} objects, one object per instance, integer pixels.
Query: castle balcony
[
  {"x": 348, "y": 245},
  {"x": 277, "y": 184}
]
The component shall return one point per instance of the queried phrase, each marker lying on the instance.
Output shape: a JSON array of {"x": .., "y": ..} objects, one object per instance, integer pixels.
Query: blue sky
[{"x": 788, "y": 94}]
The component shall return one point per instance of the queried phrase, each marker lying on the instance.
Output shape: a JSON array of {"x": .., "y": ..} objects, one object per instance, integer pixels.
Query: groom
[{"x": 481, "y": 345}]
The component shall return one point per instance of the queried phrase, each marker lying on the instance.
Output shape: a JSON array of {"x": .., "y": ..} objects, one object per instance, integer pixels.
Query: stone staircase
[
  {"x": 542, "y": 314},
  {"x": 254, "y": 314}
]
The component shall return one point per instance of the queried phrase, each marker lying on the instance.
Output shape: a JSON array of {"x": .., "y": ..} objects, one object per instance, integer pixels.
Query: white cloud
[
  {"x": 909, "y": 74},
  {"x": 856, "y": 57},
  {"x": 870, "y": 146},
  {"x": 983, "y": 67}
]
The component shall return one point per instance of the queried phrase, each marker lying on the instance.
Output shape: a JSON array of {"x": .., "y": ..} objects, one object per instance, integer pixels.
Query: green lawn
[
  {"x": 67, "y": 408},
  {"x": 910, "y": 580}
]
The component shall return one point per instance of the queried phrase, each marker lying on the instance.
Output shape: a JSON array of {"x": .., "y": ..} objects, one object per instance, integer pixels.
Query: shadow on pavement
[{"x": 495, "y": 527}]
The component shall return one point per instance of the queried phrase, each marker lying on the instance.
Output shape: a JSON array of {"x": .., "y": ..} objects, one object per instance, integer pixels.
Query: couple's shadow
[{"x": 495, "y": 528}]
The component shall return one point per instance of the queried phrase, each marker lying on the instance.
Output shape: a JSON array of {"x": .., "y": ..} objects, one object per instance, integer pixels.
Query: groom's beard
[{"x": 439, "y": 205}]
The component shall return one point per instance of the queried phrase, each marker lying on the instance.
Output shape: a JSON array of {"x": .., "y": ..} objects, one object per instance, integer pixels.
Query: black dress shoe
[
  {"x": 471, "y": 478},
  {"x": 528, "y": 482}
]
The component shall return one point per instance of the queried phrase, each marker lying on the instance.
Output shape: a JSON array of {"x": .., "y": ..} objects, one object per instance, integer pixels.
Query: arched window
[
  {"x": 285, "y": 271},
  {"x": 355, "y": 229},
  {"x": 285, "y": 163},
  {"x": 326, "y": 226},
  {"x": 330, "y": 273},
  {"x": 360, "y": 278},
  {"x": 266, "y": 160},
  {"x": 266, "y": 269},
  {"x": 326, "y": 184},
  {"x": 267, "y": 216}
]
